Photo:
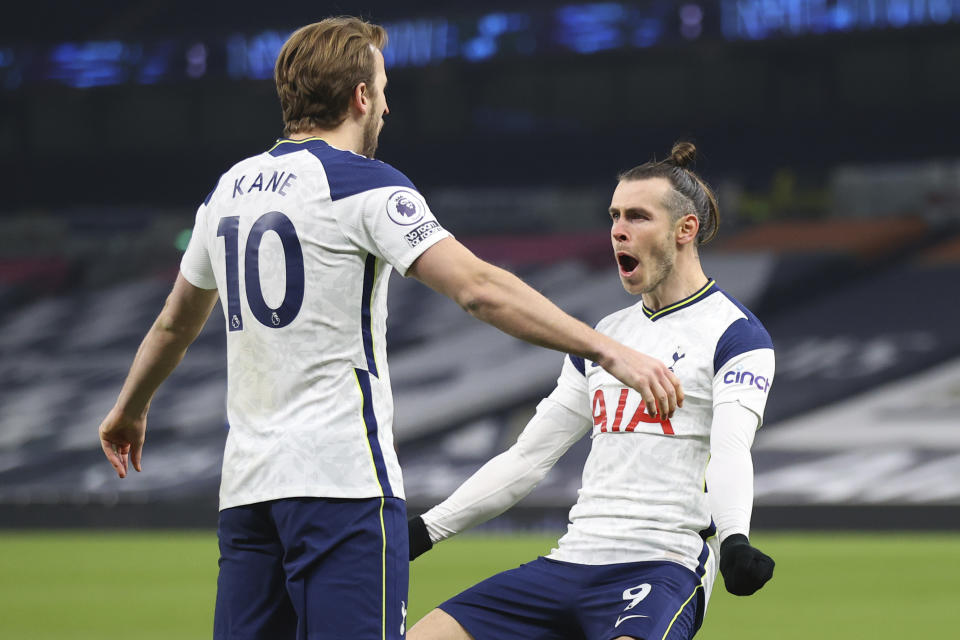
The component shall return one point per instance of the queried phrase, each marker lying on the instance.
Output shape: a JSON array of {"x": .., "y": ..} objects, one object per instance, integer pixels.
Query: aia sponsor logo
[
  {"x": 615, "y": 425},
  {"x": 741, "y": 376}
]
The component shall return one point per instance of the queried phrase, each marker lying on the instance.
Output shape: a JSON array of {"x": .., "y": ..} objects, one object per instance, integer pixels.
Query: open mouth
[{"x": 627, "y": 263}]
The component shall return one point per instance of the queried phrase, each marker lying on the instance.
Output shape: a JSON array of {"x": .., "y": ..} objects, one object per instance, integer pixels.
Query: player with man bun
[{"x": 640, "y": 554}]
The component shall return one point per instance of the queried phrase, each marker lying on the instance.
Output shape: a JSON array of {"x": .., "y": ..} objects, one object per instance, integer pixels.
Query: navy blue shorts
[
  {"x": 312, "y": 569},
  {"x": 551, "y": 600}
]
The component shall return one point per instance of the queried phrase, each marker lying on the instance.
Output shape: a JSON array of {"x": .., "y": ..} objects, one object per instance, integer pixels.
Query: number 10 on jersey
[{"x": 275, "y": 318}]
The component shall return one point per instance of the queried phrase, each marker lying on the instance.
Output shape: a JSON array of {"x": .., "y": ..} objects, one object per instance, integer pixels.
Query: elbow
[
  {"x": 167, "y": 323},
  {"x": 477, "y": 298},
  {"x": 536, "y": 464},
  {"x": 171, "y": 329},
  {"x": 169, "y": 333}
]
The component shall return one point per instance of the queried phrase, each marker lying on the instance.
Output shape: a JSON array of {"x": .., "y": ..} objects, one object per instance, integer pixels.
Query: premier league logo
[{"x": 405, "y": 208}]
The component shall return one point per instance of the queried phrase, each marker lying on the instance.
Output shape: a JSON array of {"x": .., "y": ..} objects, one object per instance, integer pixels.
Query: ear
[
  {"x": 361, "y": 98},
  {"x": 687, "y": 228}
]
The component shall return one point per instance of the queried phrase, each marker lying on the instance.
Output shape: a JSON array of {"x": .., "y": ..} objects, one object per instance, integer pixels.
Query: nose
[
  {"x": 386, "y": 109},
  {"x": 618, "y": 231}
]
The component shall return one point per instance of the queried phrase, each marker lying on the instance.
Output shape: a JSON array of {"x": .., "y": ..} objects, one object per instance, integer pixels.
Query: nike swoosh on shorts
[{"x": 625, "y": 618}]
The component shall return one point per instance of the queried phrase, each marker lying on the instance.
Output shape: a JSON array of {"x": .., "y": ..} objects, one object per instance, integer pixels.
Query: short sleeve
[
  {"x": 195, "y": 265},
  {"x": 743, "y": 365},
  {"x": 572, "y": 391},
  {"x": 746, "y": 379},
  {"x": 394, "y": 223}
]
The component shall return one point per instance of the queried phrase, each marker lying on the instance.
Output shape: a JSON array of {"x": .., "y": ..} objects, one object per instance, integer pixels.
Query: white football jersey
[
  {"x": 643, "y": 496},
  {"x": 300, "y": 242}
]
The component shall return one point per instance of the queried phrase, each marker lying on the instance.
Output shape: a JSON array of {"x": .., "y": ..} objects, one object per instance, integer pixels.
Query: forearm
[
  {"x": 183, "y": 316},
  {"x": 730, "y": 471},
  {"x": 494, "y": 488},
  {"x": 507, "y": 478},
  {"x": 159, "y": 354},
  {"x": 503, "y": 300}
]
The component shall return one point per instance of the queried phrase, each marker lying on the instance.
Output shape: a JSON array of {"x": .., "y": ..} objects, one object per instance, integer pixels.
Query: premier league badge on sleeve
[{"x": 406, "y": 208}]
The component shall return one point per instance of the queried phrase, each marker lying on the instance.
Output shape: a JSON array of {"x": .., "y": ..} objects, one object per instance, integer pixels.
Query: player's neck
[
  {"x": 685, "y": 279},
  {"x": 345, "y": 137}
]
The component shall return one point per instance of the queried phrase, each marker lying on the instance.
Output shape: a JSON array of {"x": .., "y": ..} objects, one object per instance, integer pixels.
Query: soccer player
[
  {"x": 639, "y": 556},
  {"x": 298, "y": 243}
]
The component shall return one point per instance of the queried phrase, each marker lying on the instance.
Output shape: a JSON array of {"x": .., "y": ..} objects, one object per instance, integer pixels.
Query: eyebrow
[{"x": 629, "y": 210}]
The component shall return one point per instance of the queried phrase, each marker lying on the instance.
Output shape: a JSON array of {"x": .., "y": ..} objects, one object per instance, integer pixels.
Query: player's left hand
[
  {"x": 121, "y": 438},
  {"x": 419, "y": 537},
  {"x": 745, "y": 568}
]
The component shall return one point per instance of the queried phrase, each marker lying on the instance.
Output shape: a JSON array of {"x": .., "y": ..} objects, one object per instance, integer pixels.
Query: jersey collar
[
  {"x": 281, "y": 141},
  {"x": 703, "y": 292}
]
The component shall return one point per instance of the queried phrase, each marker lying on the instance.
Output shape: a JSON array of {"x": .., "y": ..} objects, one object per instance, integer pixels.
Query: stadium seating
[{"x": 874, "y": 394}]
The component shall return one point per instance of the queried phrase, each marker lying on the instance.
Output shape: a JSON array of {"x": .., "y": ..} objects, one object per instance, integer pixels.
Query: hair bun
[{"x": 682, "y": 154}]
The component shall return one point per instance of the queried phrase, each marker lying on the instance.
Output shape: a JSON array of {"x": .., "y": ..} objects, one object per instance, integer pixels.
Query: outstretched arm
[
  {"x": 504, "y": 480},
  {"x": 503, "y": 300},
  {"x": 183, "y": 316}
]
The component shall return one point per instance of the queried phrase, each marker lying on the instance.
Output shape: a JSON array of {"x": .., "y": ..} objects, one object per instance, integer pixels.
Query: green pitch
[{"x": 161, "y": 585}]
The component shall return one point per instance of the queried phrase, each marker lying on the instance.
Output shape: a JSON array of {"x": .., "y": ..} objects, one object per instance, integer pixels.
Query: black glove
[
  {"x": 745, "y": 569},
  {"x": 419, "y": 537}
]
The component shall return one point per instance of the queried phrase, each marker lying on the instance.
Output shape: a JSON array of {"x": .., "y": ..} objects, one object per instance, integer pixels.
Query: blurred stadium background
[{"x": 828, "y": 127}]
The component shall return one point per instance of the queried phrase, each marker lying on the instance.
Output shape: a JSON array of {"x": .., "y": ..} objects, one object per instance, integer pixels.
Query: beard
[
  {"x": 662, "y": 259},
  {"x": 371, "y": 135}
]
